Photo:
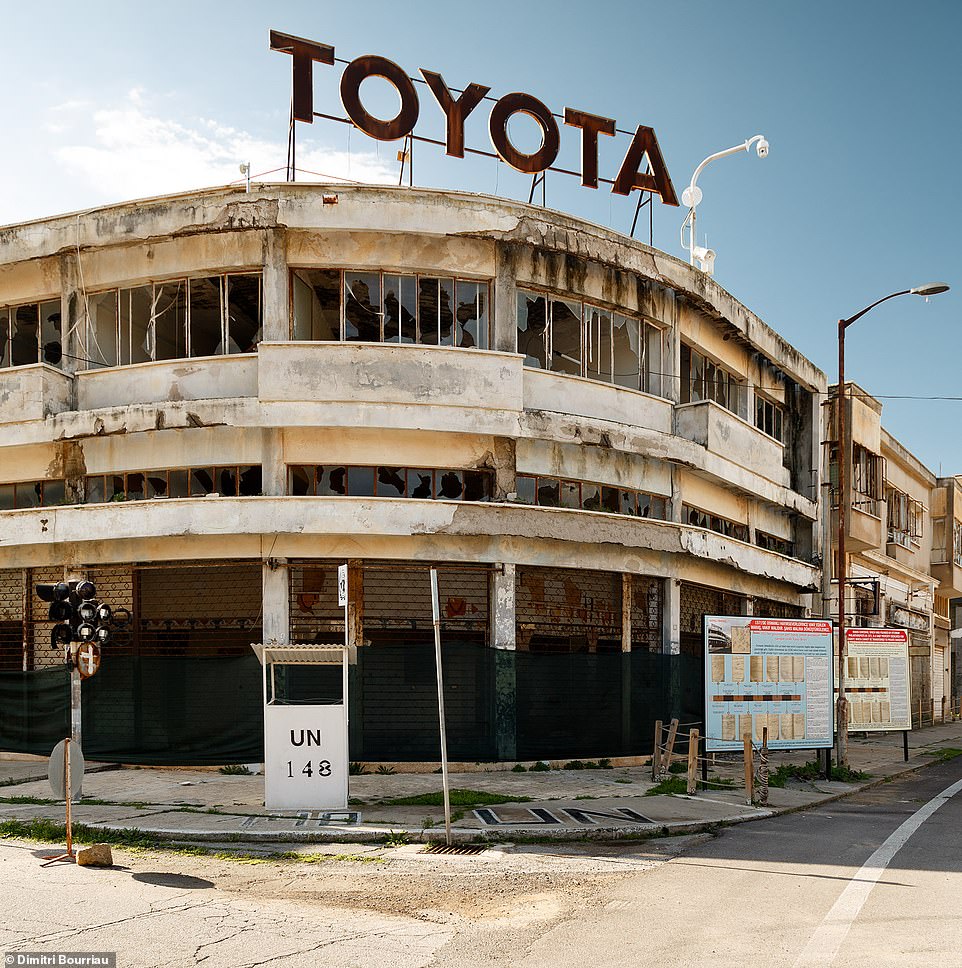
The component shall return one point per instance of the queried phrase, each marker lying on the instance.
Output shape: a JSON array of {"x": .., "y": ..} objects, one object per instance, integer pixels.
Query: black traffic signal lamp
[{"x": 78, "y": 614}]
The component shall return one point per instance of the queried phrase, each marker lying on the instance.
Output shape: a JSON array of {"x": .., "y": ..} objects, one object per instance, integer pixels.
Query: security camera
[
  {"x": 762, "y": 148},
  {"x": 705, "y": 257}
]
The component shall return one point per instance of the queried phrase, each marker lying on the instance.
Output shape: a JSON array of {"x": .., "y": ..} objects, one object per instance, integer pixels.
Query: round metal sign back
[
  {"x": 55, "y": 770},
  {"x": 88, "y": 659}
]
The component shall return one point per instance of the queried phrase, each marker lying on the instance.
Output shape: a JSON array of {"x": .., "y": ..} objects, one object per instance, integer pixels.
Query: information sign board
[
  {"x": 774, "y": 673},
  {"x": 305, "y": 757},
  {"x": 877, "y": 684}
]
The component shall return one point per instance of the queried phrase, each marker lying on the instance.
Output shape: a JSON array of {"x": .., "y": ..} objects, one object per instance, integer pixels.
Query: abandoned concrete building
[{"x": 209, "y": 401}]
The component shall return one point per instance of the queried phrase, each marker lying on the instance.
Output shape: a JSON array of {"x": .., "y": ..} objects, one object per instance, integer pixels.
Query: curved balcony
[{"x": 374, "y": 527}]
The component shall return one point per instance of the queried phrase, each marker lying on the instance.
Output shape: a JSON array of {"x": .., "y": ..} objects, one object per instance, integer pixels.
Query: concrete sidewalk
[{"x": 203, "y": 805}]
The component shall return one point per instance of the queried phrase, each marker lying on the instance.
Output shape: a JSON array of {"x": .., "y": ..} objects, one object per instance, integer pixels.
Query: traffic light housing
[{"x": 79, "y": 617}]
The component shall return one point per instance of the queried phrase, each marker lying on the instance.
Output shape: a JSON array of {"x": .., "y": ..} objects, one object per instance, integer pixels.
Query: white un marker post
[{"x": 435, "y": 608}]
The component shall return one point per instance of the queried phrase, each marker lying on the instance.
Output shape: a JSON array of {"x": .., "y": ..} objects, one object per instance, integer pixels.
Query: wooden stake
[
  {"x": 749, "y": 770},
  {"x": 669, "y": 747},
  {"x": 693, "y": 762}
]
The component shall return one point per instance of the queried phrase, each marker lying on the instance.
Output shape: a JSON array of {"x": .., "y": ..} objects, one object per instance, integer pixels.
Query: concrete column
[
  {"x": 627, "y": 589},
  {"x": 502, "y": 625},
  {"x": 277, "y": 293},
  {"x": 671, "y": 382},
  {"x": 273, "y": 468},
  {"x": 72, "y": 320},
  {"x": 355, "y": 641},
  {"x": 275, "y": 589},
  {"x": 504, "y": 332},
  {"x": 671, "y": 617}
]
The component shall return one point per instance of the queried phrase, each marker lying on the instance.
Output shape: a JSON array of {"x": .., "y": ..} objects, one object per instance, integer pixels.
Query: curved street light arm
[
  {"x": 744, "y": 146},
  {"x": 845, "y": 323}
]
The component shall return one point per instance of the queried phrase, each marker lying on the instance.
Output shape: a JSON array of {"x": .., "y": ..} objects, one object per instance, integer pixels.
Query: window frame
[
  {"x": 482, "y": 294},
  {"x": 123, "y": 334}
]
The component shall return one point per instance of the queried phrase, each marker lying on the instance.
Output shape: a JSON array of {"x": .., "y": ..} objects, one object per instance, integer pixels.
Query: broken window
[
  {"x": 205, "y": 316},
  {"x": 201, "y": 482},
  {"x": 391, "y": 482},
  {"x": 570, "y": 494},
  {"x": 769, "y": 418},
  {"x": 472, "y": 314},
  {"x": 533, "y": 329},
  {"x": 4, "y": 337},
  {"x": 905, "y": 516},
  {"x": 362, "y": 307},
  {"x": 51, "y": 336},
  {"x": 316, "y": 304},
  {"x": 168, "y": 320},
  {"x": 588, "y": 341},
  {"x": 550, "y": 492},
  {"x": 598, "y": 344},
  {"x": 136, "y": 333},
  {"x": 703, "y": 379},
  {"x": 390, "y": 308},
  {"x": 24, "y": 347},
  {"x": 626, "y": 352},
  {"x": 565, "y": 337},
  {"x": 103, "y": 328},
  {"x": 450, "y": 485},
  {"x": 420, "y": 484},
  {"x": 714, "y": 522},
  {"x": 400, "y": 309},
  {"x": 771, "y": 542},
  {"x": 244, "y": 313}
]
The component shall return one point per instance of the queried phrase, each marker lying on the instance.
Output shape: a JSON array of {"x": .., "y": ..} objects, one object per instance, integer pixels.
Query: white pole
[{"x": 444, "y": 738}]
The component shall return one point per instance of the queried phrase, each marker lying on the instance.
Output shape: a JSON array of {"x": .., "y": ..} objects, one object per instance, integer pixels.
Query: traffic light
[{"x": 79, "y": 617}]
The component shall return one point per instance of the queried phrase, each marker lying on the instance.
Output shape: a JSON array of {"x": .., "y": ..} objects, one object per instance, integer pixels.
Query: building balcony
[
  {"x": 864, "y": 531},
  {"x": 562, "y": 393},
  {"x": 949, "y": 576},
  {"x": 168, "y": 528},
  {"x": 33, "y": 393},
  {"x": 726, "y": 435}
]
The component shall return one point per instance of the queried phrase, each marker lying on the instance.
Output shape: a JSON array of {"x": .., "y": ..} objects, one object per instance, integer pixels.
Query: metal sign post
[
  {"x": 65, "y": 772},
  {"x": 435, "y": 608}
]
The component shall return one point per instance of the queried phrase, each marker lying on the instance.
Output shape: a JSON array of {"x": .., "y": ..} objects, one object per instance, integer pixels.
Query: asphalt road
[
  {"x": 768, "y": 894},
  {"x": 792, "y": 892}
]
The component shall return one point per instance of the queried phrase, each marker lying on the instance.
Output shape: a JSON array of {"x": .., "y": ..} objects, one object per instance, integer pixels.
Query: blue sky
[{"x": 859, "y": 100}]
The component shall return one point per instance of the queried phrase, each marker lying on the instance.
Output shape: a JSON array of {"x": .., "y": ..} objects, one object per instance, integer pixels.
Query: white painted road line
[{"x": 828, "y": 937}]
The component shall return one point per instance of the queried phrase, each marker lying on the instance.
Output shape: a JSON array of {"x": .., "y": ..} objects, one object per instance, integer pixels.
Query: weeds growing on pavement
[
  {"x": 459, "y": 798},
  {"x": 673, "y": 784},
  {"x": 235, "y": 769},
  {"x": 944, "y": 754},
  {"x": 813, "y": 770}
]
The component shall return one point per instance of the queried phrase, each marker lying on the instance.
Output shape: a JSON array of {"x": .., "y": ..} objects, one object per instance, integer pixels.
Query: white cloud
[{"x": 129, "y": 152}]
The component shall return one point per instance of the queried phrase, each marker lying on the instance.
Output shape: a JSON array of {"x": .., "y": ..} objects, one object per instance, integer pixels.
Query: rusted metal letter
[
  {"x": 304, "y": 52},
  {"x": 455, "y": 111},
  {"x": 591, "y": 126},
  {"x": 521, "y": 103},
  {"x": 629, "y": 177},
  {"x": 372, "y": 65}
]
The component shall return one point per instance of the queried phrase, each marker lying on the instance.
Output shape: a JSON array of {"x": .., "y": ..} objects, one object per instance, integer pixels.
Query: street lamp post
[{"x": 844, "y": 460}]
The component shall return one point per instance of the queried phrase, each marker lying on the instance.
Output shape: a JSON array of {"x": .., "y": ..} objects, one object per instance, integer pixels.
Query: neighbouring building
[
  {"x": 209, "y": 401},
  {"x": 904, "y": 545}
]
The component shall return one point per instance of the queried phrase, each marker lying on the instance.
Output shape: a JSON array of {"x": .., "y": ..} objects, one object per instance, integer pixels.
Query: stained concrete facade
[
  {"x": 732, "y": 492},
  {"x": 905, "y": 550}
]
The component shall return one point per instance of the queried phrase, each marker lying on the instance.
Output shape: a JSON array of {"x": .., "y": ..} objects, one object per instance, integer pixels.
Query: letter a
[{"x": 629, "y": 177}]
